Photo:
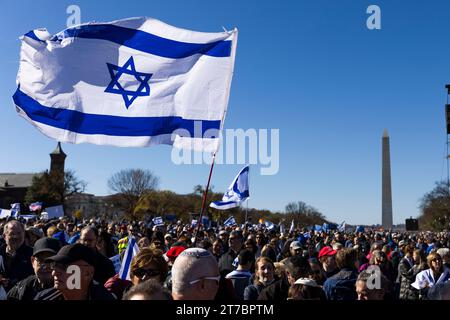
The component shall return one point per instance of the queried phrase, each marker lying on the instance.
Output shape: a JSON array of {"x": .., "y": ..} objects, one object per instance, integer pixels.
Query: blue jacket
[{"x": 341, "y": 286}]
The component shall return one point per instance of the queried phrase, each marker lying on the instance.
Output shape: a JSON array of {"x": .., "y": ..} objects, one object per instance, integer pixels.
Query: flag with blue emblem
[
  {"x": 130, "y": 83},
  {"x": 237, "y": 192},
  {"x": 194, "y": 223},
  {"x": 230, "y": 222},
  {"x": 15, "y": 210},
  {"x": 158, "y": 221},
  {"x": 132, "y": 250}
]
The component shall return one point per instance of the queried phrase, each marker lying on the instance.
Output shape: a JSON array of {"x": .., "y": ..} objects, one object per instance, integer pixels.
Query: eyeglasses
[
  {"x": 42, "y": 263},
  {"x": 63, "y": 267},
  {"x": 217, "y": 279},
  {"x": 141, "y": 273}
]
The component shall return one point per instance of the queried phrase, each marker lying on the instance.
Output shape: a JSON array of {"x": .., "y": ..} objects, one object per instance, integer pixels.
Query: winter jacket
[
  {"x": 341, "y": 286},
  {"x": 18, "y": 267},
  {"x": 276, "y": 292},
  {"x": 96, "y": 292},
  {"x": 226, "y": 262},
  {"x": 104, "y": 268},
  {"x": 407, "y": 274},
  {"x": 25, "y": 290}
]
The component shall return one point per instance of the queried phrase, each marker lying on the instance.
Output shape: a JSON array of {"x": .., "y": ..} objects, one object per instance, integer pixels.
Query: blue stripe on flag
[
  {"x": 128, "y": 258},
  {"x": 86, "y": 123},
  {"x": 33, "y": 36},
  {"x": 147, "y": 42}
]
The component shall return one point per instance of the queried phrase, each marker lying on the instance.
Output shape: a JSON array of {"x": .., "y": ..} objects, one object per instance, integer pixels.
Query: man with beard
[
  {"x": 16, "y": 255},
  {"x": 42, "y": 279}
]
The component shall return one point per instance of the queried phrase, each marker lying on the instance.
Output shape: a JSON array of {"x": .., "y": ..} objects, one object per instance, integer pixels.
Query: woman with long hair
[{"x": 264, "y": 276}]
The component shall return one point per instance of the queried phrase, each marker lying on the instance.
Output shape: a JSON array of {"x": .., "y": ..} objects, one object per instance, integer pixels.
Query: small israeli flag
[
  {"x": 15, "y": 210},
  {"x": 132, "y": 250},
  {"x": 194, "y": 223},
  {"x": 341, "y": 227},
  {"x": 158, "y": 221},
  {"x": 237, "y": 192},
  {"x": 269, "y": 225},
  {"x": 230, "y": 222}
]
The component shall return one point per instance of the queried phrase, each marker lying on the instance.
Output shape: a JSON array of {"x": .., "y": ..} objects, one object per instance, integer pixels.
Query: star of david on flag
[{"x": 116, "y": 87}]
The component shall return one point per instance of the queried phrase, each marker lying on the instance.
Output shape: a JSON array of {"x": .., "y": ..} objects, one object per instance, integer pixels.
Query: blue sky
[{"x": 309, "y": 68}]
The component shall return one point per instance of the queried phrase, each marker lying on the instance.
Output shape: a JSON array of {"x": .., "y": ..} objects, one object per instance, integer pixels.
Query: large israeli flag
[
  {"x": 131, "y": 83},
  {"x": 237, "y": 192}
]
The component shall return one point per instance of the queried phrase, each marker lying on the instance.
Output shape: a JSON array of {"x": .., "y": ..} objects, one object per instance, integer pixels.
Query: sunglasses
[{"x": 147, "y": 273}]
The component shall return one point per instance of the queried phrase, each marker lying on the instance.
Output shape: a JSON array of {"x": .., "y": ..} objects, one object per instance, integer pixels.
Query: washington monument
[{"x": 386, "y": 192}]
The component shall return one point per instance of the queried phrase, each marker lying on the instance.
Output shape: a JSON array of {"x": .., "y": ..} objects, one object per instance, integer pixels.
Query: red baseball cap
[
  {"x": 174, "y": 252},
  {"x": 327, "y": 251}
]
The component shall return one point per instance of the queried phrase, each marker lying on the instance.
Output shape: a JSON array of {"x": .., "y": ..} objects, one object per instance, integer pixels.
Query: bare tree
[{"x": 130, "y": 185}]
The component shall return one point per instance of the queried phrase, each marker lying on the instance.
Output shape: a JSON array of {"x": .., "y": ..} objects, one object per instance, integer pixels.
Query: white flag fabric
[
  {"x": 237, "y": 192},
  {"x": 125, "y": 267},
  {"x": 292, "y": 228},
  {"x": 4, "y": 213},
  {"x": 131, "y": 83}
]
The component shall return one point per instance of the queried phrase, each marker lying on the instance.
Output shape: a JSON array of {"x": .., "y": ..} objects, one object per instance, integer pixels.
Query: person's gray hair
[
  {"x": 191, "y": 264},
  {"x": 443, "y": 252},
  {"x": 10, "y": 223},
  {"x": 89, "y": 228}
]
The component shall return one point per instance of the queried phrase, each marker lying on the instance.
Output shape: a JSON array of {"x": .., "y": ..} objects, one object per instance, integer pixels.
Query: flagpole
[
  {"x": 246, "y": 213},
  {"x": 205, "y": 194}
]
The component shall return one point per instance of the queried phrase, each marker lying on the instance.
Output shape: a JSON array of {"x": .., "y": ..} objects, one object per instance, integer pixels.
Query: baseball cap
[
  {"x": 72, "y": 253},
  {"x": 174, "y": 252},
  {"x": 327, "y": 251},
  {"x": 295, "y": 245},
  {"x": 46, "y": 245}
]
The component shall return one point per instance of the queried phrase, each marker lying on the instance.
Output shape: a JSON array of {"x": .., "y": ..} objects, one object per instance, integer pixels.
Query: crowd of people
[{"x": 65, "y": 259}]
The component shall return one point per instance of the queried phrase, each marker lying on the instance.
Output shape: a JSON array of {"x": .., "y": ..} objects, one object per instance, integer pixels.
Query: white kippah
[{"x": 307, "y": 282}]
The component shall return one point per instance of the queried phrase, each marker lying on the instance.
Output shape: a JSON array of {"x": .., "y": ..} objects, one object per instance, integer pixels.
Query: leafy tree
[
  {"x": 53, "y": 189},
  {"x": 435, "y": 208}
]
